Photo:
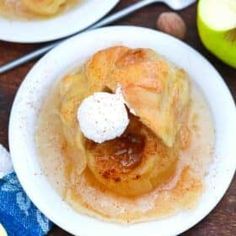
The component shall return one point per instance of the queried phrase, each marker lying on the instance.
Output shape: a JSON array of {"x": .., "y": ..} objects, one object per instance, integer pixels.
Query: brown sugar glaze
[
  {"x": 125, "y": 151},
  {"x": 87, "y": 195}
]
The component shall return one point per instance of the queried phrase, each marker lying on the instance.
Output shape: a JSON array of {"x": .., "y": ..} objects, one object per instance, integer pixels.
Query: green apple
[{"x": 216, "y": 20}]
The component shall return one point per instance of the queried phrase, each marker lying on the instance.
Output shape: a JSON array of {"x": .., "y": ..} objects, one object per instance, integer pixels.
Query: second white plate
[{"x": 34, "y": 31}]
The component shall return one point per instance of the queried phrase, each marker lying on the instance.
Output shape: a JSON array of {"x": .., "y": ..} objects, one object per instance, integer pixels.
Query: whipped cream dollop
[{"x": 103, "y": 116}]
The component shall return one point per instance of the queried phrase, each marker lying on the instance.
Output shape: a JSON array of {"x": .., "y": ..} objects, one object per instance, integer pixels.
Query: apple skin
[{"x": 216, "y": 42}]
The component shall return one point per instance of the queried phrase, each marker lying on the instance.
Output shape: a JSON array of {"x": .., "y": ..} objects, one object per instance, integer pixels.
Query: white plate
[
  {"x": 78, "y": 18},
  {"x": 76, "y": 51}
]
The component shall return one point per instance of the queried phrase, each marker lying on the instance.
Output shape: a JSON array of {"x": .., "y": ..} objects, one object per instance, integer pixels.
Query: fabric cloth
[{"x": 18, "y": 215}]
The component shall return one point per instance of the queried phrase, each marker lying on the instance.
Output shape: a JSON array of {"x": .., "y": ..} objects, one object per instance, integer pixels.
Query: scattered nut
[{"x": 172, "y": 23}]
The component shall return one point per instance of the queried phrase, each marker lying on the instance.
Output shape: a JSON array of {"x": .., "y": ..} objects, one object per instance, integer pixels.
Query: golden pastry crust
[{"x": 157, "y": 92}]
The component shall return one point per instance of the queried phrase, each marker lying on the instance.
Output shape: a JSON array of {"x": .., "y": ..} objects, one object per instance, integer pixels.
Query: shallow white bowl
[
  {"x": 76, "y": 51},
  {"x": 84, "y": 14}
]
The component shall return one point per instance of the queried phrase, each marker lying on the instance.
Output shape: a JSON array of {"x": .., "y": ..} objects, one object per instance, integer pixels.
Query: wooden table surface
[{"x": 222, "y": 220}]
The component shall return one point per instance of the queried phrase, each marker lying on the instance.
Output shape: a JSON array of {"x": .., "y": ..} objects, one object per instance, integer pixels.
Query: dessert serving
[
  {"x": 127, "y": 137},
  {"x": 33, "y": 8},
  {"x": 34, "y": 21}
]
